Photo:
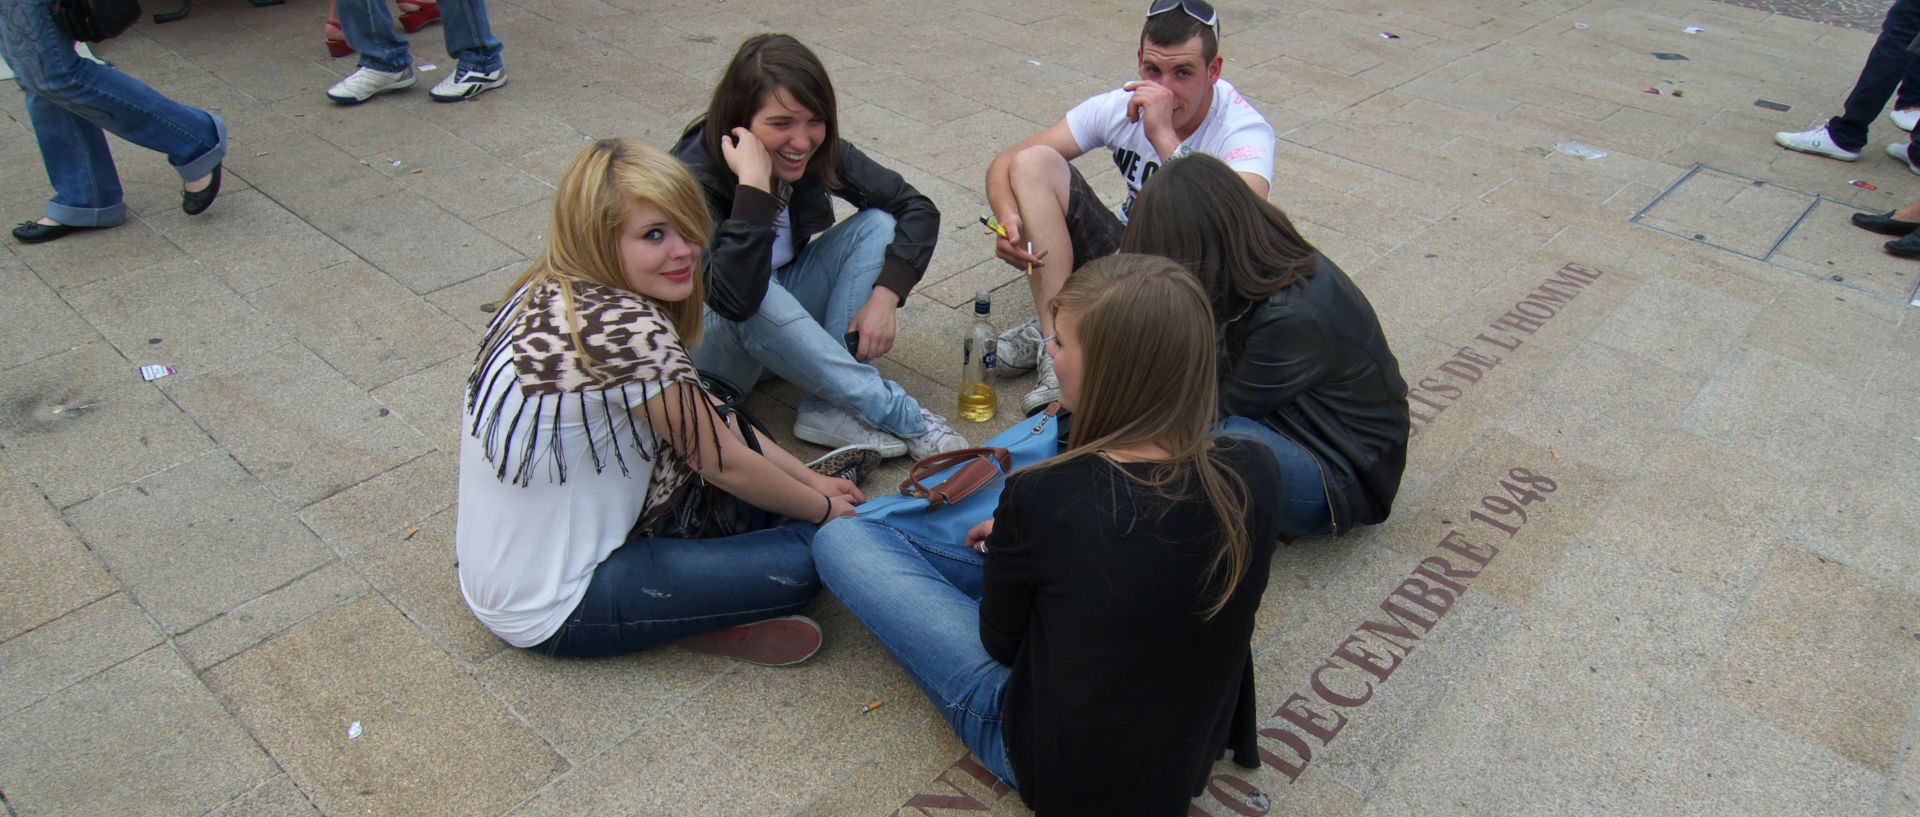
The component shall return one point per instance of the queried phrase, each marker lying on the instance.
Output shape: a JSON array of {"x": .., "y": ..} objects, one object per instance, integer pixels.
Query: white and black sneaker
[
  {"x": 464, "y": 84},
  {"x": 1018, "y": 349},
  {"x": 364, "y": 83}
]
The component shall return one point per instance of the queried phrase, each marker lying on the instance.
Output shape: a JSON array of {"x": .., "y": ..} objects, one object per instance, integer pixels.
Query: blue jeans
[
  {"x": 368, "y": 28},
  {"x": 74, "y": 102},
  {"x": 651, "y": 592},
  {"x": 921, "y": 600},
  {"x": 1889, "y": 64},
  {"x": 1303, "y": 488},
  {"x": 797, "y": 332}
]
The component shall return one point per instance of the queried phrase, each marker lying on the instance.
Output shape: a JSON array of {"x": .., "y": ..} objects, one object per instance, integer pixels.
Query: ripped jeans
[{"x": 650, "y": 592}]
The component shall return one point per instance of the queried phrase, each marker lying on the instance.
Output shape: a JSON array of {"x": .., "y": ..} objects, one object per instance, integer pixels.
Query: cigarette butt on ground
[
  {"x": 410, "y": 533},
  {"x": 877, "y": 703}
]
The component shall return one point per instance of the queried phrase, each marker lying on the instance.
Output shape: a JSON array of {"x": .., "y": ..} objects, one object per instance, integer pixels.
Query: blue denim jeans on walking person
[
  {"x": 1889, "y": 65},
  {"x": 1303, "y": 488},
  {"x": 367, "y": 26},
  {"x": 797, "y": 333},
  {"x": 921, "y": 600},
  {"x": 652, "y": 592},
  {"x": 71, "y": 101}
]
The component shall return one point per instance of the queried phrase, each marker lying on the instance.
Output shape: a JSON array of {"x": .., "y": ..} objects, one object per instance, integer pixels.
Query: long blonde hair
[
  {"x": 1148, "y": 352},
  {"x": 583, "y": 239}
]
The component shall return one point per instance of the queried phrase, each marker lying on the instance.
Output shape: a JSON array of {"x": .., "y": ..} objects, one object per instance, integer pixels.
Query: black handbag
[
  {"x": 95, "y": 20},
  {"x": 700, "y": 510}
]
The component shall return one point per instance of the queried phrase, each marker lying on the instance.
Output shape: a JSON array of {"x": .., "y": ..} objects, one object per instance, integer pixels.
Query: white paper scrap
[{"x": 1580, "y": 150}]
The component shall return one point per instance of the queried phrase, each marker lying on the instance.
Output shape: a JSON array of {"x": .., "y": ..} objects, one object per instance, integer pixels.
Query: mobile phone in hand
[{"x": 853, "y": 343}]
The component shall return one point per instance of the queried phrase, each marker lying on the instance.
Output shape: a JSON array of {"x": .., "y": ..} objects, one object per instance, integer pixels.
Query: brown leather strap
[{"x": 979, "y": 470}]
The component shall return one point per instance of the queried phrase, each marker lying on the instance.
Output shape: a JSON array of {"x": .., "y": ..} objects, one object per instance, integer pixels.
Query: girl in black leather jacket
[
  {"x": 789, "y": 291},
  {"x": 1304, "y": 367}
]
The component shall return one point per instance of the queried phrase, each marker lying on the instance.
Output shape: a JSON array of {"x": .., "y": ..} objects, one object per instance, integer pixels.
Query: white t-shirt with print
[
  {"x": 527, "y": 552},
  {"x": 1233, "y": 132}
]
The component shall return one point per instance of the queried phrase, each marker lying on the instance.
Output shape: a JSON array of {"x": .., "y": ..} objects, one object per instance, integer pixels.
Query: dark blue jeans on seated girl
[
  {"x": 921, "y": 600},
  {"x": 1303, "y": 488},
  {"x": 652, "y": 592}
]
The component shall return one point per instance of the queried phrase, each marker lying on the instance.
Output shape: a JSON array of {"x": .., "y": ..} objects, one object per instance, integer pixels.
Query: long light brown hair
[
  {"x": 1147, "y": 344},
  {"x": 1198, "y": 212},
  {"x": 596, "y": 193}
]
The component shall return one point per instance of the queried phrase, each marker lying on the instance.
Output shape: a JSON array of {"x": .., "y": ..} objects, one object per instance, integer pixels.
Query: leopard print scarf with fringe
[{"x": 627, "y": 341}]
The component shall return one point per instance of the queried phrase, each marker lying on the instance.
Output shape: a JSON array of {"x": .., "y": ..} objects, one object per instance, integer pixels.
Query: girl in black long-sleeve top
[{"x": 1106, "y": 665}]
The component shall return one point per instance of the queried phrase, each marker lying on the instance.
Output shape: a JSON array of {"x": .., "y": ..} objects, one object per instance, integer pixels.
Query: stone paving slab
[{"x": 209, "y": 577}]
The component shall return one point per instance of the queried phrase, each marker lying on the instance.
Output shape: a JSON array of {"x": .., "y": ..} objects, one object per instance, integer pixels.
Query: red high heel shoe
[
  {"x": 420, "y": 15},
  {"x": 336, "y": 40}
]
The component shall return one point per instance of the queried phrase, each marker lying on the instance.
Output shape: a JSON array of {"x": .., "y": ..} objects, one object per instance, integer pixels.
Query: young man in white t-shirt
[{"x": 1054, "y": 222}]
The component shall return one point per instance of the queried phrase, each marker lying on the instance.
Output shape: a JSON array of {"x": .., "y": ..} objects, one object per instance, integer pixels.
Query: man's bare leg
[{"x": 1040, "y": 177}]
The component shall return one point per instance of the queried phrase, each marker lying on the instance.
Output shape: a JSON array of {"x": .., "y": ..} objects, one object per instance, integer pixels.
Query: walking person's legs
[
  {"x": 476, "y": 52},
  {"x": 71, "y": 100}
]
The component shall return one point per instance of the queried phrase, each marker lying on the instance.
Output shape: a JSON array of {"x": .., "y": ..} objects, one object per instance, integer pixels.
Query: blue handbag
[{"x": 945, "y": 495}]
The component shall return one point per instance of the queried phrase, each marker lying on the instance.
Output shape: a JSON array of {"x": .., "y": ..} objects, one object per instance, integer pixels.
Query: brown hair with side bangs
[
  {"x": 1147, "y": 343},
  {"x": 765, "y": 64}
]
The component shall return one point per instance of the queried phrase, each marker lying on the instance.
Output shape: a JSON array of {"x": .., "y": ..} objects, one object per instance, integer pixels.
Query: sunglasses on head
[{"x": 1197, "y": 9}]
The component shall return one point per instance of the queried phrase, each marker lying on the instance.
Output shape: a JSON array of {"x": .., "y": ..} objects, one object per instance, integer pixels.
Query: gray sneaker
[
  {"x": 939, "y": 438},
  {"x": 1018, "y": 349},
  {"x": 364, "y": 83},
  {"x": 1045, "y": 390}
]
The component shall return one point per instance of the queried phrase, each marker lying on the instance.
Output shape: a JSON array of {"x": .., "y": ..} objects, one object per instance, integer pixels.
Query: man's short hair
[{"x": 1176, "y": 27}]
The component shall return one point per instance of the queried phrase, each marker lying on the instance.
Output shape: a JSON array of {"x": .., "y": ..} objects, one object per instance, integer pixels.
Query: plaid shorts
[{"x": 1094, "y": 229}]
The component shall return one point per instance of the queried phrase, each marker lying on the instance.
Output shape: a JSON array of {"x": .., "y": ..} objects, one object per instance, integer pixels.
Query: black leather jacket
[
  {"x": 739, "y": 257},
  {"x": 1312, "y": 363}
]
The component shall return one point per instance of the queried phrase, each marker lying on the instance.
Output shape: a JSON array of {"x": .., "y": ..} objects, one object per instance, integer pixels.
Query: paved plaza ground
[{"x": 206, "y": 580}]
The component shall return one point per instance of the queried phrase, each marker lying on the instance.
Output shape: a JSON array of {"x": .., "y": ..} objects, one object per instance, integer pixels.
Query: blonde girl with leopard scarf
[{"x": 585, "y": 423}]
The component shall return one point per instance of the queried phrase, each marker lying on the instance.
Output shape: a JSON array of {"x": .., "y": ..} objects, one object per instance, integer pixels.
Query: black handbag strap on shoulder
[{"x": 733, "y": 402}]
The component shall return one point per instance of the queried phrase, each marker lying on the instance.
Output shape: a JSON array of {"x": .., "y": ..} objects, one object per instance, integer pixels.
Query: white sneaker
[
  {"x": 1014, "y": 354},
  {"x": 1045, "y": 391},
  {"x": 1898, "y": 150},
  {"x": 1904, "y": 120},
  {"x": 939, "y": 438},
  {"x": 836, "y": 428},
  {"x": 364, "y": 83},
  {"x": 1815, "y": 141},
  {"x": 464, "y": 84}
]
